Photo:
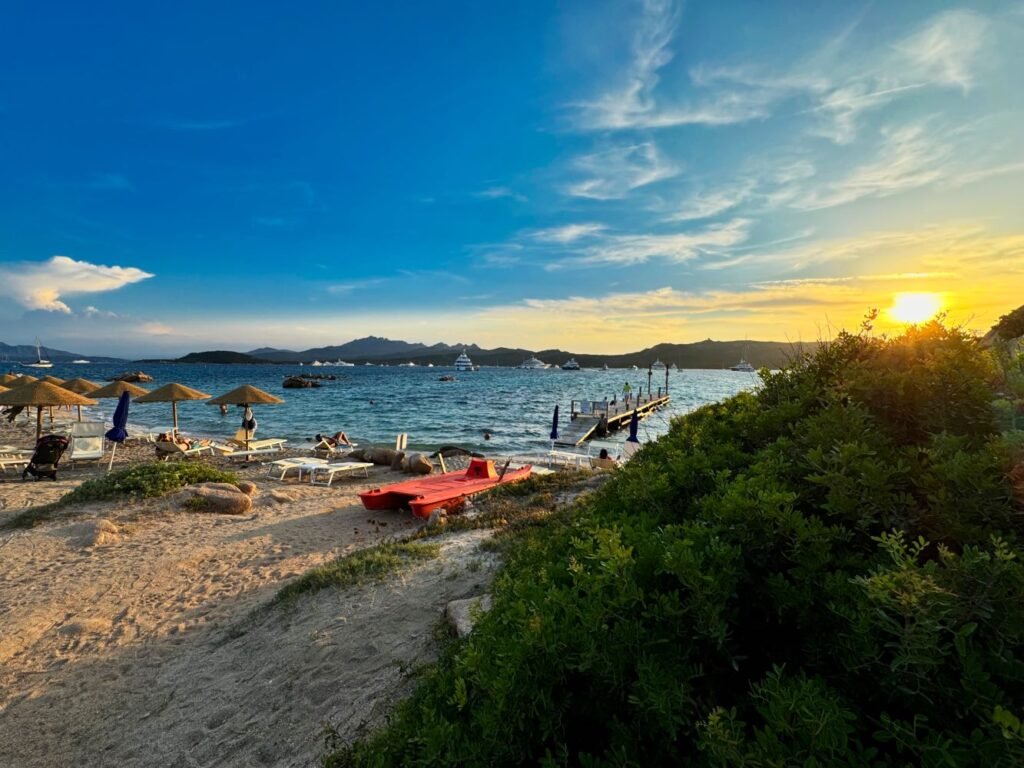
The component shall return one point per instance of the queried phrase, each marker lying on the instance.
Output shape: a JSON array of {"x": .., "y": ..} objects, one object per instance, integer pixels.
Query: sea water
[{"x": 373, "y": 404}]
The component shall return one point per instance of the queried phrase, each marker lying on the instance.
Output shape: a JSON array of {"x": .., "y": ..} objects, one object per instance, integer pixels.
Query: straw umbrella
[
  {"x": 173, "y": 394},
  {"x": 115, "y": 388},
  {"x": 26, "y": 379},
  {"x": 53, "y": 380},
  {"x": 246, "y": 395},
  {"x": 42, "y": 394},
  {"x": 8, "y": 378},
  {"x": 82, "y": 387}
]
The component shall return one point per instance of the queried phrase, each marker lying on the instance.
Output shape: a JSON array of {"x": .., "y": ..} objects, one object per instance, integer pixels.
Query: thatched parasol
[
  {"x": 246, "y": 395},
  {"x": 82, "y": 387},
  {"x": 115, "y": 388},
  {"x": 4, "y": 389},
  {"x": 173, "y": 394},
  {"x": 26, "y": 379},
  {"x": 53, "y": 380},
  {"x": 42, "y": 394},
  {"x": 8, "y": 378}
]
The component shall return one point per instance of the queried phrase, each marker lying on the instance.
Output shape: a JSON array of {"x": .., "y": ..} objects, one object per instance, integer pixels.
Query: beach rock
[
  {"x": 297, "y": 382},
  {"x": 462, "y": 614},
  {"x": 282, "y": 497},
  {"x": 219, "y": 499},
  {"x": 248, "y": 487},
  {"x": 132, "y": 376},
  {"x": 92, "y": 533},
  {"x": 380, "y": 456},
  {"x": 417, "y": 464},
  {"x": 396, "y": 463}
]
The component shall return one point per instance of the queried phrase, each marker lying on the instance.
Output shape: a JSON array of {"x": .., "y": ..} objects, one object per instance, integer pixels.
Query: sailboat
[{"x": 40, "y": 362}]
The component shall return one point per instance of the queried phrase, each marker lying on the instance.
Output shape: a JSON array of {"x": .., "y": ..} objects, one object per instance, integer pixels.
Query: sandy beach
[{"x": 125, "y": 639}]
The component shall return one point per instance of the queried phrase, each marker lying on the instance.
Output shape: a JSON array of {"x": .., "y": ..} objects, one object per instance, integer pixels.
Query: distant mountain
[
  {"x": 26, "y": 353},
  {"x": 219, "y": 356},
  {"x": 701, "y": 354}
]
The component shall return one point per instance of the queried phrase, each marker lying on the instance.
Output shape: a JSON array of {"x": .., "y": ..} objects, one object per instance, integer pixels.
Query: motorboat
[
  {"x": 743, "y": 366},
  {"x": 657, "y": 365},
  {"x": 532, "y": 364},
  {"x": 40, "y": 362},
  {"x": 343, "y": 364},
  {"x": 570, "y": 365},
  {"x": 81, "y": 362},
  {"x": 673, "y": 367},
  {"x": 605, "y": 368},
  {"x": 316, "y": 364},
  {"x": 463, "y": 363},
  {"x": 445, "y": 491}
]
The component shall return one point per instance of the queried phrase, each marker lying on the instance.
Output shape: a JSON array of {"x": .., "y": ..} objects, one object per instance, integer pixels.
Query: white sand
[{"x": 120, "y": 653}]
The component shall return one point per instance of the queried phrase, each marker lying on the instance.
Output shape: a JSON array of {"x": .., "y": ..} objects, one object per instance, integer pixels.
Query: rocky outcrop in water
[
  {"x": 132, "y": 377},
  {"x": 297, "y": 382}
]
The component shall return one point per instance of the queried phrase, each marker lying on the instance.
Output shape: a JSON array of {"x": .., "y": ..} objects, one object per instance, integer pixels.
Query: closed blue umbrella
[
  {"x": 634, "y": 427},
  {"x": 118, "y": 434},
  {"x": 554, "y": 425}
]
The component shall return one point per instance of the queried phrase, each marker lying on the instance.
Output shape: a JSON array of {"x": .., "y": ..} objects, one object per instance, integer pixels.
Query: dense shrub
[
  {"x": 147, "y": 480},
  {"x": 824, "y": 573}
]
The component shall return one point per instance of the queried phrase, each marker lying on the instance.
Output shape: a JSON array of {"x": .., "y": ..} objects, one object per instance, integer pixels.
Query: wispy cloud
[
  {"x": 351, "y": 286},
  {"x": 569, "y": 233},
  {"x": 498, "y": 192},
  {"x": 41, "y": 285},
  {"x": 157, "y": 329},
  {"x": 95, "y": 312},
  {"x": 613, "y": 173},
  {"x": 626, "y": 249},
  {"x": 945, "y": 49},
  {"x": 707, "y": 204},
  {"x": 909, "y": 157}
]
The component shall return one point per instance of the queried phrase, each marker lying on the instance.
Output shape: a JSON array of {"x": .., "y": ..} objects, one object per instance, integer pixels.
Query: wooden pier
[{"x": 593, "y": 418}]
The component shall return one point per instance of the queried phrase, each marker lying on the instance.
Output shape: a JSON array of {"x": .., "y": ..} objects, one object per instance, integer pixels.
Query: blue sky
[{"x": 599, "y": 176}]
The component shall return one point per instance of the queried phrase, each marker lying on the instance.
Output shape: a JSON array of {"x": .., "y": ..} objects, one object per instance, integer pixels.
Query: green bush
[
  {"x": 146, "y": 481},
  {"x": 825, "y": 573}
]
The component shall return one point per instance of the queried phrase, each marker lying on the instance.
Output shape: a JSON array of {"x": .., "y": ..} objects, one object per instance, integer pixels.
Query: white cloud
[
  {"x": 908, "y": 158},
  {"x": 614, "y": 173},
  {"x": 944, "y": 51},
  {"x": 344, "y": 289},
  {"x": 708, "y": 204},
  {"x": 496, "y": 193},
  {"x": 677, "y": 247},
  {"x": 41, "y": 285},
  {"x": 94, "y": 312},
  {"x": 569, "y": 233},
  {"x": 157, "y": 329}
]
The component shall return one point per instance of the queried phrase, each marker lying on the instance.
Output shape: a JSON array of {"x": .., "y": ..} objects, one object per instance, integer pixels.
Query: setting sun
[{"x": 915, "y": 307}]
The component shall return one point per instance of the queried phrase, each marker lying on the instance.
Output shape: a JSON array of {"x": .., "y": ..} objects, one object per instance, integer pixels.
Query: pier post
[
  {"x": 666, "y": 379},
  {"x": 650, "y": 372}
]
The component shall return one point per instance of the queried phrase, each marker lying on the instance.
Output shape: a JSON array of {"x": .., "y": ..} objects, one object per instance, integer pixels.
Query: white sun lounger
[
  {"x": 86, "y": 441},
  {"x": 11, "y": 461},
  {"x": 323, "y": 474},
  {"x": 281, "y": 467}
]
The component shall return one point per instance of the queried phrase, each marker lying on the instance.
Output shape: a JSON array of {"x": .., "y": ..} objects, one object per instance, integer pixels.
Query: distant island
[{"x": 216, "y": 357}]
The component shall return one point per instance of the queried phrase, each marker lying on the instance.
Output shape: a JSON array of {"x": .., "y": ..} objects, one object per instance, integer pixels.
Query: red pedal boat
[{"x": 441, "y": 491}]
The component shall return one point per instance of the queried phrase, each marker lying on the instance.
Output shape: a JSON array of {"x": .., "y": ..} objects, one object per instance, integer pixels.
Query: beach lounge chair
[
  {"x": 13, "y": 460},
  {"x": 234, "y": 454},
  {"x": 268, "y": 444},
  {"x": 402, "y": 441},
  {"x": 281, "y": 467},
  {"x": 323, "y": 474},
  {"x": 86, "y": 441},
  {"x": 325, "y": 449},
  {"x": 46, "y": 457},
  {"x": 166, "y": 449}
]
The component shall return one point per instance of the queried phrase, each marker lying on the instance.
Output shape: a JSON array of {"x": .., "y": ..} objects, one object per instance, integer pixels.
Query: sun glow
[{"x": 915, "y": 307}]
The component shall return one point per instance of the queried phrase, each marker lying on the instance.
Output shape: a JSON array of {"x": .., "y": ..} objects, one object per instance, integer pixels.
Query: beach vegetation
[
  {"x": 142, "y": 481},
  {"x": 825, "y": 572}
]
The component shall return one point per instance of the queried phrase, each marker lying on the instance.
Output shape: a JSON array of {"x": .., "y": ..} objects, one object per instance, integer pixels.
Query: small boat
[
  {"x": 633, "y": 368},
  {"x": 673, "y": 367},
  {"x": 657, "y": 365},
  {"x": 343, "y": 364},
  {"x": 533, "y": 364},
  {"x": 463, "y": 363},
  {"x": 81, "y": 362},
  {"x": 445, "y": 491},
  {"x": 40, "y": 361},
  {"x": 743, "y": 366},
  {"x": 605, "y": 368},
  {"x": 407, "y": 365},
  {"x": 570, "y": 365},
  {"x": 316, "y": 364}
]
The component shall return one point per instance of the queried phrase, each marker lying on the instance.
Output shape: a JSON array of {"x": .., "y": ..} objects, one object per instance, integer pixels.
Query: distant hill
[
  {"x": 26, "y": 353},
  {"x": 218, "y": 356},
  {"x": 701, "y": 354}
]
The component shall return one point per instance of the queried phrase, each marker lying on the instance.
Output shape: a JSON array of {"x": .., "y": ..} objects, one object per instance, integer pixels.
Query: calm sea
[{"x": 373, "y": 404}]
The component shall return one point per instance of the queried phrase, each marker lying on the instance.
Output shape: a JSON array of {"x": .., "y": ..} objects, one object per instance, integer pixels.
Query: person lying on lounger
[{"x": 339, "y": 438}]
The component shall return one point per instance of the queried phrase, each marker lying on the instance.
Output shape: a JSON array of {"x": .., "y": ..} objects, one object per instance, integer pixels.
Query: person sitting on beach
[
  {"x": 339, "y": 438},
  {"x": 605, "y": 455}
]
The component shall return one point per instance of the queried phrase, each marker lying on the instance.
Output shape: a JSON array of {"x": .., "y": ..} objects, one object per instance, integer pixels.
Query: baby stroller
[{"x": 45, "y": 458}]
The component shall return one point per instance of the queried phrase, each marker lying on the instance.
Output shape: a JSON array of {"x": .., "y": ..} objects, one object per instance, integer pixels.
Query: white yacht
[
  {"x": 673, "y": 367},
  {"x": 343, "y": 364},
  {"x": 316, "y": 364},
  {"x": 743, "y": 366},
  {"x": 463, "y": 363},
  {"x": 570, "y": 365},
  {"x": 81, "y": 362},
  {"x": 657, "y": 365},
  {"x": 410, "y": 364},
  {"x": 40, "y": 361},
  {"x": 605, "y": 368},
  {"x": 533, "y": 364}
]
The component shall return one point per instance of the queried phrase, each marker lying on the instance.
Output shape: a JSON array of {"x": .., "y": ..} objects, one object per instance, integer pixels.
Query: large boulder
[
  {"x": 218, "y": 498},
  {"x": 380, "y": 456},
  {"x": 397, "y": 462},
  {"x": 132, "y": 376},
  {"x": 417, "y": 464},
  {"x": 248, "y": 487},
  {"x": 463, "y": 614}
]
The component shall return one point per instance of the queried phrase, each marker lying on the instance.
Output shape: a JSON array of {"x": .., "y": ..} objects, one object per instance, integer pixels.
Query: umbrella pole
[
  {"x": 79, "y": 413},
  {"x": 112, "y": 453},
  {"x": 39, "y": 422},
  {"x": 174, "y": 413}
]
